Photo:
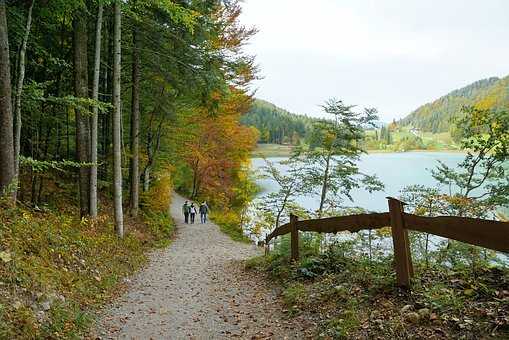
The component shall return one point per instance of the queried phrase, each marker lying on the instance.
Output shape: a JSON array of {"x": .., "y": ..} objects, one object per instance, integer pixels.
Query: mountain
[
  {"x": 437, "y": 115},
  {"x": 276, "y": 125}
]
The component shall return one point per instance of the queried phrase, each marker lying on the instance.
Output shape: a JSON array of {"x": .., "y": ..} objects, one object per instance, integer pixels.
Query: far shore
[{"x": 276, "y": 150}]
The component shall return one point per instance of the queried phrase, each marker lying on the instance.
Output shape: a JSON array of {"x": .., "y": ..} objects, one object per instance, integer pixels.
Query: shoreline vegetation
[{"x": 278, "y": 150}]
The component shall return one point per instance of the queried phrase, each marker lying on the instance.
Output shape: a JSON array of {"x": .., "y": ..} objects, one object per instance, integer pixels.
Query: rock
[
  {"x": 46, "y": 305},
  {"x": 406, "y": 308},
  {"x": 40, "y": 316},
  {"x": 424, "y": 313},
  {"x": 412, "y": 317}
]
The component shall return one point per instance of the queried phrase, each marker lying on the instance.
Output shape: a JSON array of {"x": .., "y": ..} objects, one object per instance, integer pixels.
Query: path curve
[{"x": 197, "y": 289}]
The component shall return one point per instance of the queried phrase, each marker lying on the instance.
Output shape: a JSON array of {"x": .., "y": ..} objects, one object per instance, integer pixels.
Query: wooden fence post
[
  {"x": 402, "y": 255},
  {"x": 294, "y": 237}
]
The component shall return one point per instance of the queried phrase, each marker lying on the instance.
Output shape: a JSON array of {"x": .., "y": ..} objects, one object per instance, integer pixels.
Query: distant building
[{"x": 415, "y": 131}]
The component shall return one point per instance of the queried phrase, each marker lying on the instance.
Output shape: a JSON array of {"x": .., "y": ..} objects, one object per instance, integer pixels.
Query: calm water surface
[{"x": 395, "y": 170}]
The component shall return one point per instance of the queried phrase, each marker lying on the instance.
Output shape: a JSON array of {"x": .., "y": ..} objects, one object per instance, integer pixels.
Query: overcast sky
[{"x": 390, "y": 54}]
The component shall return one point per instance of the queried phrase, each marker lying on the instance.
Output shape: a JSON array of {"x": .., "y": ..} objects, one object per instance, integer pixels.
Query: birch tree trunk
[
  {"x": 135, "y": 126},
  {"x": 19, "y": 91},
  {"x": 6, "y": 121},
  {"x": 82, "y": 120},
  {"x": 117, "y": 157},
  {"x": 95, "y": 118}
]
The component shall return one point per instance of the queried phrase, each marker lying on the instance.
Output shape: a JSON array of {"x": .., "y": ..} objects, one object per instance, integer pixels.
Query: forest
[
  {"x": 276, "y": 125},
  {"x": 106, "y": 106},
  {"x": 439, "y": 115}
]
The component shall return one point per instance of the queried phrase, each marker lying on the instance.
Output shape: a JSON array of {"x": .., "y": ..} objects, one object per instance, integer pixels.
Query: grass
[
  {"x": 433, "y": 141},
  {"x": 272, "y": 150},
  {"x": 402, "y": 141},
  {"x": 56, "y": 270}
]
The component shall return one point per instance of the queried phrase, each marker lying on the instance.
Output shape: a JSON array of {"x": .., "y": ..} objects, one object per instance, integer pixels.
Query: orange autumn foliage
[{"x": 217, "y": 146}]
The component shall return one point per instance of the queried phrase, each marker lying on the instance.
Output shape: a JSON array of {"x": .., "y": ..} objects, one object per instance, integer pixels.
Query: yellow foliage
[{"x": 158, "y": 198}]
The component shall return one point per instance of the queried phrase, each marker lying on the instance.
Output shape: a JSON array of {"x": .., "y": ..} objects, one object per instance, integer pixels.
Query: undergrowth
[
  {"x": 230, "y": 224},
  {"x": 354, "y": 297},
  {"x": 57, "y": 270}
]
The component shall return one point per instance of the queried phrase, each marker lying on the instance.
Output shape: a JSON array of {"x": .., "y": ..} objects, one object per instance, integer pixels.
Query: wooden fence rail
[{"x": 485, "y": 233}]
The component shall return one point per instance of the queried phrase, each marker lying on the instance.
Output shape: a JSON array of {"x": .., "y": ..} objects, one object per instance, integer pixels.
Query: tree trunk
[
  {"x": 117, "y": 157},
  {"x": 106, "y": 97},
  {"x": 19, "y": 91},
  {"x": 95, "y": 113},
  {"x": 151, "y": 150},
  {"x": 146, "y": 178},
  {"x": 7, "y": 171},
  {"x": 325, "y": 185},
  {"x": 135, "y": 126},
  {"x": 82, "y": 120}
]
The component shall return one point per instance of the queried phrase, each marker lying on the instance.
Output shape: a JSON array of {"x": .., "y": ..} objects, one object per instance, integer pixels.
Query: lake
[{"x": 395, "y": 170}]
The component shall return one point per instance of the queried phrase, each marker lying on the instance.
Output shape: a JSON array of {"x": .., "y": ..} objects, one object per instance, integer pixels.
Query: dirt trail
[{"x": 197, "y": 289}]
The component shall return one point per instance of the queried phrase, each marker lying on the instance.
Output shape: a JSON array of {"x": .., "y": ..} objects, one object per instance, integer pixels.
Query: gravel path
[{"x": 197, "y": 289}]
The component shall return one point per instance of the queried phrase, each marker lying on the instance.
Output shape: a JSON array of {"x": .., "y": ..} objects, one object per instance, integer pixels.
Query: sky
[{"x": 394, "y": 55}]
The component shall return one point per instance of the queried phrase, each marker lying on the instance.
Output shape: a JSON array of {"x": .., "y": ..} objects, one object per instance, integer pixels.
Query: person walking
[
  {"x": 185, "y": 211},
  {"x": 204, "y": 209},
  {"x": 192, "y": 212}
]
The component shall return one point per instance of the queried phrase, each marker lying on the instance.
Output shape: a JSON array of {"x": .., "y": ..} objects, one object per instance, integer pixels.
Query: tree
[
  {"x": 82, "y": 119},
  {"x": 95, "y": 113},
  {"x": 117, "y": 156},
  {"x": 216, "y": 147},
  {"x": 135, "y": 124},
  {"x": 479, "y": 186},
  {"x": 19, "y": 91},
  {"x": 331, "y": 161},
  {"x": 290, "y": 183},
  {"x": 7, "y": 169}
]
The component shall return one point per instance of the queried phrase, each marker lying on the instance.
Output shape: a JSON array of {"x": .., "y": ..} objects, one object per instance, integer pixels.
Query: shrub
[{"x": 229, "y": 223}]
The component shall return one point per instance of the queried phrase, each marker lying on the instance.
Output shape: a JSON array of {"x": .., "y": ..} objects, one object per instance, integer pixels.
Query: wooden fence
[{"x": 485, "y": 233}]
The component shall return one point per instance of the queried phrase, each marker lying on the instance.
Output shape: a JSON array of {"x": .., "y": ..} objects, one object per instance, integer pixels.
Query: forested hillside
[
  {"x": 277, "y": 125},
  {"x": 437, "y": 116}
]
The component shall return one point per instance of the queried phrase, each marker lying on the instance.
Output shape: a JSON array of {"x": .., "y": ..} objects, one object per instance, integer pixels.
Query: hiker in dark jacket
[
  {"x": 204, "y": 209},
  {"x": 185, "y": 211}
]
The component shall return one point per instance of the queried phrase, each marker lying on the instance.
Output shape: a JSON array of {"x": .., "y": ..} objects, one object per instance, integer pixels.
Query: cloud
[{"x": 392, "y": 54}]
